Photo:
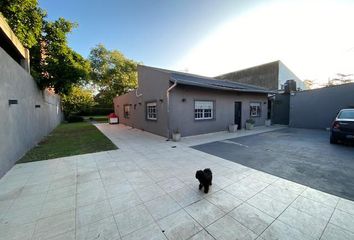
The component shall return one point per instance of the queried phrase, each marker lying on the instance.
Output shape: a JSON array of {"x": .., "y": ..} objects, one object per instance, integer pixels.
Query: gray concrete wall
[
  {"x": 280, "y": 109},
  {"x": 317, "y": 108},
  {"x": 182, "y": 113},
  {"x": 153, "y": 85},
  {"x": 22, "y": 125}
]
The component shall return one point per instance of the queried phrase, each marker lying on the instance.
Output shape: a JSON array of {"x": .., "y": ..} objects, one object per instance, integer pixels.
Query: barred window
[
  {"x": 255, "y": 109},
  {"x": 203, "y": 110},
  {"x": 151, "y": 111}
]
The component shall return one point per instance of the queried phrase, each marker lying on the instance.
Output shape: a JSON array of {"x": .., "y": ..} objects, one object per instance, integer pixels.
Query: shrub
[
  {"x": 74, "y": 118},
  {"x": 250, "y": 121}
]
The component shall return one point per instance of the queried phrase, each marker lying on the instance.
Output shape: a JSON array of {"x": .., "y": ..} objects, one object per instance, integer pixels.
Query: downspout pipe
[{"x": 168, "y": 107}]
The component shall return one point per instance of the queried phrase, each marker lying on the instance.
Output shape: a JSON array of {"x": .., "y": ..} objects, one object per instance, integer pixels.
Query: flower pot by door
[
  {"x": 268, "y": 122},
  {"x": 249, "y": 126},
  {"x": 176, "y": 137},
  {"x": 233, "y": 128}
]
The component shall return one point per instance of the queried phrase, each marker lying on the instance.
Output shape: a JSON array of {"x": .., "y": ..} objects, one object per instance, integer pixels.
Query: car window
[{"x": 346, "y": 114}]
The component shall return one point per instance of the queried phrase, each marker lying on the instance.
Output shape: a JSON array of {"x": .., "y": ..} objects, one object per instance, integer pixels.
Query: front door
[{"x": 238, "y": 111}]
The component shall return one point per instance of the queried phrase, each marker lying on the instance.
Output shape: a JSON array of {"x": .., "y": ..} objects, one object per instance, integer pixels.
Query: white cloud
[{"x": 313, "y": 38}]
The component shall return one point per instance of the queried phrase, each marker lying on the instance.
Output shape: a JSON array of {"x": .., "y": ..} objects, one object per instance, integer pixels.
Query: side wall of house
[
  {"x": 22, "y": 125},
  {"x": 317, "y": 108},
  {"x": 152, "y": 85},
  {"x": 182, "y": 112}
]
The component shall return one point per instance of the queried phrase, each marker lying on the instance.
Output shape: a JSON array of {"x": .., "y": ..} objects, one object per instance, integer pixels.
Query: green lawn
[{"x": 69, "y": 139}]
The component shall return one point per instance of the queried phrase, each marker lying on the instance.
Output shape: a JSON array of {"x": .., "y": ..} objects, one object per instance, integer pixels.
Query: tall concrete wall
[
  {"x": 317, "y": 108},
  {"x": 280, "y": 109},
  {"x": 22, "y": 125},
  {"x": 182, "y": 112}
]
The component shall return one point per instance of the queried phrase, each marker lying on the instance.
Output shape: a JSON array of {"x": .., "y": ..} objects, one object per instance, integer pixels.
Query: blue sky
[
  {"x": 210, "y": 37},
  {"x": 155, "y": 32}
]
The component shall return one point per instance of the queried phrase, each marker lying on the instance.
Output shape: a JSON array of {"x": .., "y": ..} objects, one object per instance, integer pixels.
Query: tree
[
  {"x": 112, "y": 72},
  {"x": 341, "y": 78},
  {"x": 53, "y": 63},
  {"x": 77, "y": 100}
]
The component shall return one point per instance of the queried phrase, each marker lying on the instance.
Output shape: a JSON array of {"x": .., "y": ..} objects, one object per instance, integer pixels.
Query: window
[
  {"x": 151, "y": 111},
  {"x": 203, "y": 110},
  {"x": 126, "y": 111},
  {"x": 255, "y": 109}
]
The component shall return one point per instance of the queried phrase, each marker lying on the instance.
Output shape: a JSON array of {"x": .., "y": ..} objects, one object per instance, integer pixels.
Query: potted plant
[
  {"x": 268, "y": 122},
  {"x": 176, "y": 135},
  {"x": 250, "y": 123},
  {"x": 233, "y": 128}
]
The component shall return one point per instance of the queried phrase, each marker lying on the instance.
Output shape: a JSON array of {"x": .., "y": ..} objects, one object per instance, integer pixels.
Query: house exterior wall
[
  {"x": 153, "y": 86},
  {"x": 22, "y": 125},
  {"x": 317, "y": 108},
  {"x": 182, "y": 112}
]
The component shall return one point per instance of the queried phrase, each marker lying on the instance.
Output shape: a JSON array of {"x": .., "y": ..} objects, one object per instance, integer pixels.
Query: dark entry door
[{"x": 238, "y": 111}]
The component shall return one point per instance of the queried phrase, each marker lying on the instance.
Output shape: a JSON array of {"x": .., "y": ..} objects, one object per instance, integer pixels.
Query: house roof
[
  {"x": 211, "y": 83},
  {"x": 205, "y": 82}
]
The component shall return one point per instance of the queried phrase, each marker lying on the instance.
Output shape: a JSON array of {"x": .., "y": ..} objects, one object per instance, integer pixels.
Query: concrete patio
[{"x": 147, "y": 190}]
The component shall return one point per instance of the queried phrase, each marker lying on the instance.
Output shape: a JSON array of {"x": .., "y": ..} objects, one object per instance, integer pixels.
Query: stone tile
[
  {"x": 54, "y": 207},
  {"x": 228, "y": 228},
  {"x": 313, "y": 208},
  {"x": 279, "y": 230},
  {"x": 333, "y": 232},
  {"x": 252, "y": 218},
  {"x": 118, "y": 189},
  {"x": 92, "y": 185},
  {"x": 346, "y": 206},
  {"x": 171, "y": 184},
  {"x": 101, "y": 230},
  {"x": 162, "y": 206},
  {"x": 224, "y": 200},
  {"x": 204, "y": 212},
  {"x": 34, "y": 189},
  {"x": 264, "y": 177},
  {"x": 202, "y": 235},
  {"x": 65, "y": 236},
  {"x": 133, "y": 219},
  {"x": 93, "y": 213},
  {"x": 90, "y": 197},
  {"x": 241, "y": 192},
  {"x": 321, "y": 197},
  {"x": 305, "y": 223},
  {"x": 151, "y": 232},
  {"x": 179, "y": 226},
  {"x": 343, "y": 220},
  {"x": 288, "y": 185},
  {"x": 268, "y": 205},
  {"x": 222, "y": 181},
  {"x": 29, "y": 201},
  {"x": 280, "y": 194},
  {"x": 63, "y": 192},
  {"x": 22, "y": 216},
  {"x": 150, "y": 192},
  {"x": 124, "y": 202},
  {"x": 88, "y": 176},
  {"x": 17, "y": 231},
  {"x": 186, "y": 196},
  {"x": 54, "y": 225}
]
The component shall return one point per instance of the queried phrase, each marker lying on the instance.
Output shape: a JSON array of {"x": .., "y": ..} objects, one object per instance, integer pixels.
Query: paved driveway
[
  {"x": 146, "y": 190},
  {"x": 300, "y": 155}
]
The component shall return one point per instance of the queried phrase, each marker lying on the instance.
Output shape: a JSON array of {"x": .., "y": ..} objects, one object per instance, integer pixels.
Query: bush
[
  {"x": 97, "y": 111},
  {"x": 250, "y": 121},
  {"x": 74, "y": 118}
]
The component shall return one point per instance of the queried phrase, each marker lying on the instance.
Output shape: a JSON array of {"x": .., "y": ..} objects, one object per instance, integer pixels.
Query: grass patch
[{"x": 69, "y": 139}]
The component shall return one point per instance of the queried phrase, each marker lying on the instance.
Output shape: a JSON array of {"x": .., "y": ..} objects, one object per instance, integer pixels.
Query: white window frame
[
  {"x": 151, "y": 111},
  {"x": 128, "y": 107},
  {"x": 203, "y": 110},
  {"x": 255, "y": 109}
]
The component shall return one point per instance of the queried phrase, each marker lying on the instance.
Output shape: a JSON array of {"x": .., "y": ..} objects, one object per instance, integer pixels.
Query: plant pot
[
  {"x": 176, "y": 137},
  {"x": 249, "y": 126},
  {"x": 268, "y": 122},
  {"x": 233, "y": 128}
]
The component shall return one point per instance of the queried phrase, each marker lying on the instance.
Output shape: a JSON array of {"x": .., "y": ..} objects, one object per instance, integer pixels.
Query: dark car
[{"x": 343, "y": 126}]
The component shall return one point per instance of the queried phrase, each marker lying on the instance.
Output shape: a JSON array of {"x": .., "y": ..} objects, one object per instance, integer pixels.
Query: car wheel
[{"x": 333, "y": 140}]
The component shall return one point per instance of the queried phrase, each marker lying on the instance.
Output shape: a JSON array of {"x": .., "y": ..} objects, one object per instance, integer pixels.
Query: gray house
[
  {"x": 167, "y": 100},
  {"x": 274, "y": 76}
]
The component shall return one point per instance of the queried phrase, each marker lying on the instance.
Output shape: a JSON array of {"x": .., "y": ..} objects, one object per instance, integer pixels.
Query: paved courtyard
[{"x": 147, "y": 190}]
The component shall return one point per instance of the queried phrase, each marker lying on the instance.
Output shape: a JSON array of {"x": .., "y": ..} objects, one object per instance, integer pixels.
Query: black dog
[{"x": 205, "y": 177}]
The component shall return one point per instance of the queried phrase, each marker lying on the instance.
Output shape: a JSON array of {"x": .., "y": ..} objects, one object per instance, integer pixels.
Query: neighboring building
[
  {"x": 273, "y": 76},
  {"x": 167, "y": 100},
  {"x": 27, "y": 114}
]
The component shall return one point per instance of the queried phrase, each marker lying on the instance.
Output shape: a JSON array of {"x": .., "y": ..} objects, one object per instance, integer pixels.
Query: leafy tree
[
  {"x": 53, "y": 63},
  {"x": 77, "y": 100},
  {"x": 112, "y": 73},
  {"x": 341, "y": 78}
]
